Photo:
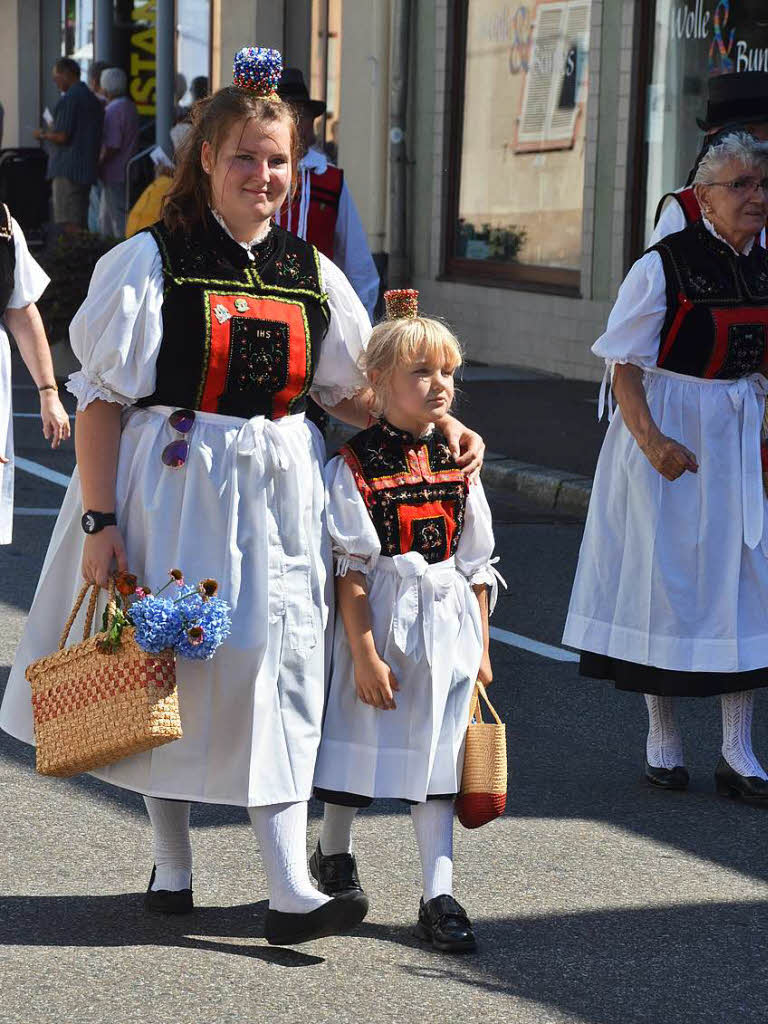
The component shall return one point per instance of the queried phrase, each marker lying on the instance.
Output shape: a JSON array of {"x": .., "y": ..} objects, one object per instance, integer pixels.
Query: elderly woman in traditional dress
[
  {"x": 671, "y": 591},
  {"x": 199, "y": 342}
]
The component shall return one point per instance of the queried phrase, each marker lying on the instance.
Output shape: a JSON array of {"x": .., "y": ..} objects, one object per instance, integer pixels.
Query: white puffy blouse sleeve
[
  {"x": 117, "y": 331},
  {"x": 474, "y": 552},
  {"x": 338, "y": 374},
  {"x": 29, "y": 278},
  {"x": 672, "y": 220},
  {"x": 634, "y": 327},
  {"x": 354, "y": 539}
]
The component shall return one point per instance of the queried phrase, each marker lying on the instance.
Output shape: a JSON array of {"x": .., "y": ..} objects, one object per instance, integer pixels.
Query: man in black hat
[
  {"x": 323, "y": 211},
  {"x": 736, "y": 103}
]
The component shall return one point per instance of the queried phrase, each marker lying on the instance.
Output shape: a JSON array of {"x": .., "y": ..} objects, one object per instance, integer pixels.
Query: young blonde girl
[{"x": 412, "y": 544}]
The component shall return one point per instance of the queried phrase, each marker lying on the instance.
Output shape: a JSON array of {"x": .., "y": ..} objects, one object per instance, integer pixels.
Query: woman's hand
[
  {"x": 99, "y": 552},
  {"x": 55, "y": 418},
  {"x": 668, "y": 457},
  {"x": 485, "y": 672},
  {"x": 375, "y": 683},
  {"x": 467, "y": 447}
]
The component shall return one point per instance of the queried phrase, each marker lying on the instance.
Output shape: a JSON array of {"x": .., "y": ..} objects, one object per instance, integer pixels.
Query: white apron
[
  {"x": 674, "y": 574},
  {"x": 6, "y": 441},
  {"x": 247, "y": 509},
  {"x": 427, "y": 628}
]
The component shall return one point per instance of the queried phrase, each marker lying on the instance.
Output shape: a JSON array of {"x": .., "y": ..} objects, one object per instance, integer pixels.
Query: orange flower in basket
[{"x": 126, "y": 583}]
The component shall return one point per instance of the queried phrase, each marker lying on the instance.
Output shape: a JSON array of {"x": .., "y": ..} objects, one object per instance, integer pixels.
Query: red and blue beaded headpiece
[
  {"x": 401, "y": 303},
  {"x": 258, "y": 69}
]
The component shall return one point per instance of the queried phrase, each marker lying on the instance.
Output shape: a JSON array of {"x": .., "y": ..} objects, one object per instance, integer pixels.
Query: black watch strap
[{"x": 94, "y": 522}]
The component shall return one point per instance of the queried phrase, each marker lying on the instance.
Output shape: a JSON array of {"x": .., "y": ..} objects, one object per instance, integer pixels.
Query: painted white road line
[
  {"x": 30, "y": 416},
  {"x": 35, "y": 511},
  {"x": 504, "y": 636},
  {"x": 42, "y": 471}
]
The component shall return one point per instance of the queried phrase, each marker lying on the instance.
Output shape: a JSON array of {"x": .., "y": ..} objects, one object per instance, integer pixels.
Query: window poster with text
[{"x": 693, "y": 41}]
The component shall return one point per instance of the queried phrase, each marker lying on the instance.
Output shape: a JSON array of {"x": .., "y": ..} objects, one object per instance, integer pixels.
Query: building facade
[{"x": 507, "y": 156}]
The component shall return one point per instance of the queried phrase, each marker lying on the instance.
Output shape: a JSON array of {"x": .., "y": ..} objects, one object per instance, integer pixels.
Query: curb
[{"x": 554, "y": 490}]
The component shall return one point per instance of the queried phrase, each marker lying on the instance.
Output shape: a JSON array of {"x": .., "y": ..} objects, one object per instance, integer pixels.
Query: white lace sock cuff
[
  {"x": 737, "y": 733},
  {"x": 664, "y": 746}
]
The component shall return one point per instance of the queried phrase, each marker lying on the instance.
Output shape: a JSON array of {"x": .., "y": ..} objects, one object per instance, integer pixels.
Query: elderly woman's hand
[{"x": 669, "y": 457}]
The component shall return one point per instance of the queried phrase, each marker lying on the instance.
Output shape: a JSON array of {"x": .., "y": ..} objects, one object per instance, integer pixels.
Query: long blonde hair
[{"x": 403, "y": 342}]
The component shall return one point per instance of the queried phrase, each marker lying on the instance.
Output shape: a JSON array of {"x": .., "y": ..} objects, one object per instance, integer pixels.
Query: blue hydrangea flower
[
  {"x": 158, "y": 624},
  {"x": 212, "y": 617}
]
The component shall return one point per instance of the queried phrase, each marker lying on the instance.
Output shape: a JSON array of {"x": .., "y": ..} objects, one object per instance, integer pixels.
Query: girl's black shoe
[
  {"x": 667, "y": 778},
  {"x": 444, "y": 923},
  {"x": 750, "y": 788},
  {"x": 168, "y": 901},
  {"x": 334, "y": 918},
  {"x": 336, "y": 875}
]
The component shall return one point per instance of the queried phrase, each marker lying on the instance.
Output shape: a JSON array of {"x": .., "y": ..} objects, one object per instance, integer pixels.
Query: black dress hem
[{"x": 664, "y": 682}]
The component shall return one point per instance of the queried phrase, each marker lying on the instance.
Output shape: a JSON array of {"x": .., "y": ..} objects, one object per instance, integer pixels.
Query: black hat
[
  {"x": 293, "y": 89},
  {"x": 736, "y": 99}
]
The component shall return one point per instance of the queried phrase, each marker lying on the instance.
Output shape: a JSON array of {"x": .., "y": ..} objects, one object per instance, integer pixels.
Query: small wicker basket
[
  {"x": 483, "y": 795},
  {"x": 93, "y": 706}
]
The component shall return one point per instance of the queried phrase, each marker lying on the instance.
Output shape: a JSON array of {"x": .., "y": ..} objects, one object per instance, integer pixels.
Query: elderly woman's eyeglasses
[{"x": 743, "y": 186}]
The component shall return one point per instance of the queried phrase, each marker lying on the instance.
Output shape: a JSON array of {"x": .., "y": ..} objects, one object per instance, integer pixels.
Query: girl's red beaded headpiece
[{"x": 401, "y": 303}]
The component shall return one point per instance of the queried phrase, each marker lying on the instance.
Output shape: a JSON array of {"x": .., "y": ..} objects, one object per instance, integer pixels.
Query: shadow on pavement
[
  {"x": 110, "y": 921},
  {"x": 702, "y": 963}
]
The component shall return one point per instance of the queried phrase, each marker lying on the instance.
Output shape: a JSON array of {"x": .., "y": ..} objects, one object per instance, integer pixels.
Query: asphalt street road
[{"x": 594, "y": 898}]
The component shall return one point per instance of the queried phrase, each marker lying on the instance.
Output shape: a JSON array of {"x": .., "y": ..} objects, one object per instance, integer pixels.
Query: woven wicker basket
[
  {"x": 93, "y": 707},
  {"x": 483, "y": 794}
]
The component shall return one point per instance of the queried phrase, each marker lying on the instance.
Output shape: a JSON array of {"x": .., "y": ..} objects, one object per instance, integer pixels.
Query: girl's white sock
[
  {"x": 737, "y": 733},
  {"x": 433, "y": 825},
  {"x": 173, "y": 851},
  {"x": 336, "y": 830},
  {"x": 664, "y": 746},
  {"x": 282, "y": 833}
]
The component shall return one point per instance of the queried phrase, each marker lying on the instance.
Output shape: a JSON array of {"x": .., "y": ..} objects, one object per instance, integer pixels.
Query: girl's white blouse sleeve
[
  {"x": 474, "y": 552},
  {"x": 634, "y": 326},
  {"x": 117, "y": 331},
  {"x": 29, "y": 278},
  {"x": 338, "y": 374},
  {"x": 354, "y": 539}
]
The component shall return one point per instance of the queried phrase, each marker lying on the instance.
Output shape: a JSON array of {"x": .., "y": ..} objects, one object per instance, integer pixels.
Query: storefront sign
[
  {"x": 734, "y": 32},
  {"x": 143, "y": 50}
]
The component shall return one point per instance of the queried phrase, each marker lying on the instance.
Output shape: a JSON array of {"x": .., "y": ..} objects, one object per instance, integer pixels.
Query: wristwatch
[{"x": 94, "y": 522}]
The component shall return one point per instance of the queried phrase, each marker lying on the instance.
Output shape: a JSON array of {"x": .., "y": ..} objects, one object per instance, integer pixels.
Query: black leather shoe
[
  {"x": 336, "y": 875},
  {"x": 334, "y": 918},
  {"x": 444, "y": 923},
  {"x": 667, "y": 778},
  {"x": 749, "y": 788},
  {"x": 168, "y": 901}
]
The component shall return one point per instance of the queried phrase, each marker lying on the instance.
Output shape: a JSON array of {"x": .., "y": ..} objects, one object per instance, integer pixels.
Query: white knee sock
[
  {"x": 433, "y": 825},
  {"x": 737, "y": 733},
  {"x": 664, "y": 746},
  {"x": 173, "y": 852},
  {"x": 336, "y": 832},
  {"x": 282, "y": 833}
]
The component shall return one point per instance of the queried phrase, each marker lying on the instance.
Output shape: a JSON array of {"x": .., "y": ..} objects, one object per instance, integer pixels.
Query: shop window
[
  {"x": 691, "y": 42},
  {"x": 518, "y": 92}
]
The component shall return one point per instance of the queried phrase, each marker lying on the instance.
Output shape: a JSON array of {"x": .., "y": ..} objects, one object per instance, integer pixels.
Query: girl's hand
[
  {"x": 467, "y": 447},
  {"x": 55, "y": 418},
  {"x": 668, "y": 457},
  {"x": 99, "y": 552},
  {"x": 485, "y": 672},
  {"x": 376, "y": 684}
]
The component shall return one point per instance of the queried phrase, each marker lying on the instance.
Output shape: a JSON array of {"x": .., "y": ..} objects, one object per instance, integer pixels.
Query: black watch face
[{"x": 89, "y": 522}]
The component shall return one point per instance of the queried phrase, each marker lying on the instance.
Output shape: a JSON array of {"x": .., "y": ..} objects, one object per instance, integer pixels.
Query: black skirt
[{"x": 664, "y": 682}]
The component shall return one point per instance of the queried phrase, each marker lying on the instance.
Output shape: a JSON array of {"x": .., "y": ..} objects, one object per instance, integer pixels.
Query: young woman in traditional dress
[{"x": 200, "y": 340}]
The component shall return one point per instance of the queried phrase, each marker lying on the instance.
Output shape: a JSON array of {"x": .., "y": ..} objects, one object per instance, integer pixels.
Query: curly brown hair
[{"x": 211, "y": 120}]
